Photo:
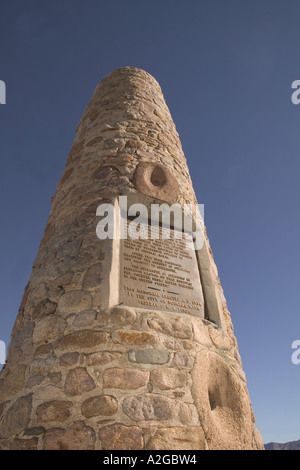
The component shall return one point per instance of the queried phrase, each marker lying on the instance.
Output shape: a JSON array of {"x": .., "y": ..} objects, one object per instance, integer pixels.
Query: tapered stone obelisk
[{"x": 123, "y": 343}]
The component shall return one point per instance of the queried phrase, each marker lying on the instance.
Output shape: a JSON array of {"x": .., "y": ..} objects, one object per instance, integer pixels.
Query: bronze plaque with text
[{"x": 160, "y": 274}]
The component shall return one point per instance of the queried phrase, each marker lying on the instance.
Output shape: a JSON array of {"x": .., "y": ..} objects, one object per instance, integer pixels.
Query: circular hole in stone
[
  {"x": 158, "y": 177},
  {"x": 214, "y": 398}
]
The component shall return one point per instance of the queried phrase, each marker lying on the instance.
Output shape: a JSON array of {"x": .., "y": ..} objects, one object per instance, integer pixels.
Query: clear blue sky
[{"x": 226, "y": 69}]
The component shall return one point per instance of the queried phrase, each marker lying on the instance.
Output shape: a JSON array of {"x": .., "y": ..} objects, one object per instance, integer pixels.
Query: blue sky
[{"x": 226, "y": 69}]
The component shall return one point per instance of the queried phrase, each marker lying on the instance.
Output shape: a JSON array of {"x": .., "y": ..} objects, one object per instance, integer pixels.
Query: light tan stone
[
  {"x": 54, "y": 411},
  {"x": 42, "y": 365},
  {"x": 201, "y": 333},
  {"x": 47, "y": 328},
  {"x": 78, "y": 381},
  {"x": 122, "y": 315},
  {"x": 176, "y": 327},
  {"x": 93, "y": 276},
  {"x": 148, "y": 407},
  {"x": 103, "y": 405},
  {"x": 75, "y": 301},
  {"x": 149, "y": 356},
  {"x": 69, "y": 359},
  {"x": 13, "y": 382},
  {"x": 182, "y": 359},
  {"x": 130, "y": 337},
  {"x": 120, "y": 437},
  {"x": 219, "y": 339},
  {"x": 45, "y": 307},
  {"x": 49, "y": 392},
  {"x": 24, "y": 444},
  {"x": 85, "y": 318},
  {"x": 16, "y": 417},
  {"x": 125, "y": 378},
  {"x": 166, "y": 378},
  {"x": 85, "y": 339},
  {"x": 178, "y": 438},
  {"x": 77, "y": 436},
  {"x": 101, "y": 358}
]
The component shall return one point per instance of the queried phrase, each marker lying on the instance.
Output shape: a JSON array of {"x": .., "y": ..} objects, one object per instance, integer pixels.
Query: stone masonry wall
[{"x": 81, "y": 376}]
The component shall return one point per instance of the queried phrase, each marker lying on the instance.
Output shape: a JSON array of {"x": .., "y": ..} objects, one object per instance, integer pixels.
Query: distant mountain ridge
[{"x": 292, "y": 445}]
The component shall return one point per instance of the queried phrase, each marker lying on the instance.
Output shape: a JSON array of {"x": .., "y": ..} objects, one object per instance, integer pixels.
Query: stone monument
[{"x": 124, "y": 343}]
